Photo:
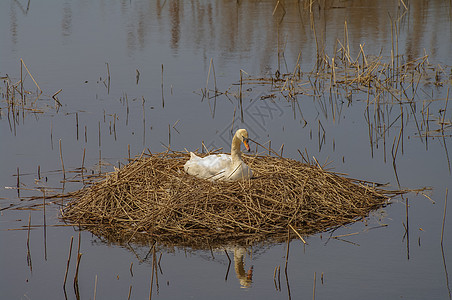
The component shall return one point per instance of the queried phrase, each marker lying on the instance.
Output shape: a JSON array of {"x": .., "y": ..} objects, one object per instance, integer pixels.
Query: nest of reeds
[{"x": 152, "y": 198}]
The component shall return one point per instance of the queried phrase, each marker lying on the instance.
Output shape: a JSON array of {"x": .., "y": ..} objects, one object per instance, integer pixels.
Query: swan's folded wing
[
  {"x": 241, "y": 171},
  {"x": 209, "y": 166}
]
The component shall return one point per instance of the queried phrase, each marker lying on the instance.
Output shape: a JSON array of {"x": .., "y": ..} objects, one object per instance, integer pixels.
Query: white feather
[{"x": 221, "y": 166}]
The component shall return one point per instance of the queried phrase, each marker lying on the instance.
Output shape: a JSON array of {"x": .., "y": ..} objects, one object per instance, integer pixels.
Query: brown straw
[{"x": 152, "y": 198}]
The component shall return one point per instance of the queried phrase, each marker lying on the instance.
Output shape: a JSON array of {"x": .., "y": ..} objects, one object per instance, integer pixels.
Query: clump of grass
[{"x": 153, "y": 199}]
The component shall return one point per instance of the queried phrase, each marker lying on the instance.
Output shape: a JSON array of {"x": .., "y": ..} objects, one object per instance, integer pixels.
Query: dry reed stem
[{"x": 68, "y": 262}]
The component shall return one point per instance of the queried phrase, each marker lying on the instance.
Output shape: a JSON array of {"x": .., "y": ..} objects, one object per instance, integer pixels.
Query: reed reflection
[{"x": 261, "y": 30}]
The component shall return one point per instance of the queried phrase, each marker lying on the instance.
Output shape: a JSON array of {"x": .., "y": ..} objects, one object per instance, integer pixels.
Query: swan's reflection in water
[
  {"x": 245, "y": 277},
  {"x": 242, "y": 259}
]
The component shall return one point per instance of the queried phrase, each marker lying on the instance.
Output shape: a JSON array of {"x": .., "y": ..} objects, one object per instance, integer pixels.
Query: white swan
[{"x": 222, "y": 166}]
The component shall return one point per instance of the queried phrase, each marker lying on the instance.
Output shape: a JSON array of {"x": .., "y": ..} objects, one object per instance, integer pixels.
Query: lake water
[{"x": 133, "y": 73}]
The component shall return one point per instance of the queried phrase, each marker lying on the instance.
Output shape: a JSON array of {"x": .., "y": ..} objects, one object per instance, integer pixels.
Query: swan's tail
[{"x": 193, "y": 156}]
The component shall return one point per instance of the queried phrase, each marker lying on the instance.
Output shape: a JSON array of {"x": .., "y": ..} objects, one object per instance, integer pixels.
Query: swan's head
[{"x": 242, "y": 134}]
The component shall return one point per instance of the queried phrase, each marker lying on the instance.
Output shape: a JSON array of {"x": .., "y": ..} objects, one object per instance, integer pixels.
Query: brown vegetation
[{"x": 152, "y": 198}]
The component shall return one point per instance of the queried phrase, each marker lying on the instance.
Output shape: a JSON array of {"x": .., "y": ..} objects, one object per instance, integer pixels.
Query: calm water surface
[{"x": 74, "y": 45}]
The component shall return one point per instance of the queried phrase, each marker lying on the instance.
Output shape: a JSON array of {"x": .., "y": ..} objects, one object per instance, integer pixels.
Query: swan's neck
[{"x": 236, "y": 153}]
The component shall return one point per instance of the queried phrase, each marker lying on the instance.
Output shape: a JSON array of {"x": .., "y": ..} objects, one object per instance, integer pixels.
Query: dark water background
[{"x": 69, "y": 45}]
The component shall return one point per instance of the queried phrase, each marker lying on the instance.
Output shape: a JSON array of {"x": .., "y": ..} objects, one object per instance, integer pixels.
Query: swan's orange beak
[{"x": 247, "y": 146}]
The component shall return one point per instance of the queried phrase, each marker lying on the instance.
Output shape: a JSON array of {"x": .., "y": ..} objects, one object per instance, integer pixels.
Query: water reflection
[
  {"x": 175, "y": 12},
  {"x": 241, "y": 259},
  {"x": 248, "y": 27},
  {"x": 252, "y": 34},
  {"x": 13, "y": 25},
  {"x": 66, "y": 23},
  {"x": 245, "y": 277}
]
